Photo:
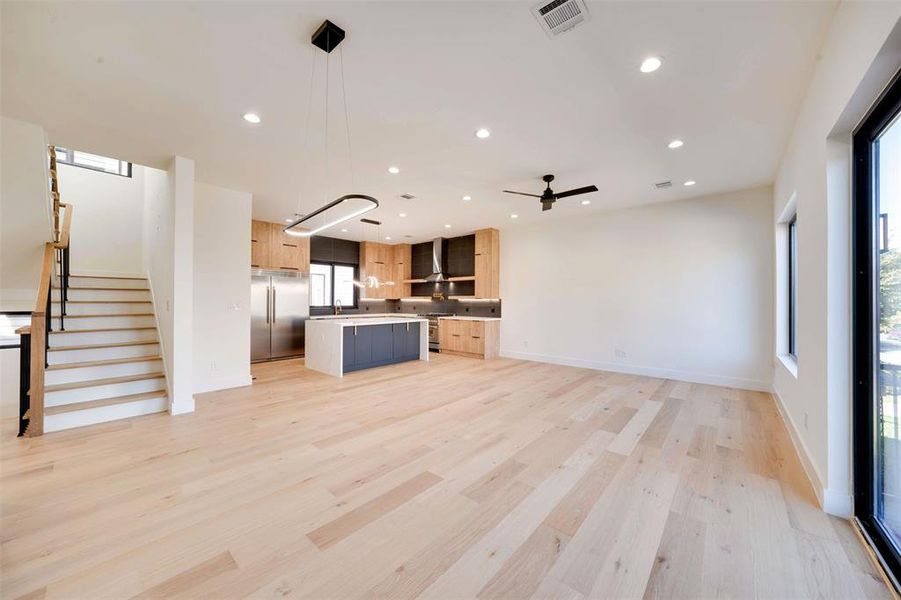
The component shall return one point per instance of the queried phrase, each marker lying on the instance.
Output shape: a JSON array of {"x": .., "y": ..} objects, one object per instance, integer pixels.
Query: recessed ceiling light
[
  {"x": 387, "y": 237},
  {"x": 467, "y": 198},
  {"x": 514, "y": 216},
  {"x": 690, "y": 182},
  {"x": 289, "y": 220},
  {"x": 251, "y": 117},
  {"x": 650, "y": 64},
  {"x": 447, "y": 226},
  {"x": 402, "y": 215},
  {"x": 675, "y": 144},
  {"x": 586, "y": 202},
  {"x": 343, "y": 231},
  {"x": 482, "y": 133},
  {"x": 393, "y": 170}
]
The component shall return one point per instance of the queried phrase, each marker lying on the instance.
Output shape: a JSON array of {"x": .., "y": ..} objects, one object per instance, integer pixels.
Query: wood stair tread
[
  {"x": 106, "y": 277},
  {"x": 104, "y": 302},
  {"x": 118, "y": 289},
  {"x": 106, "y": 329},
  {"x": 112, "y": 345},
  {"x": 76, "y": 385},
  {"x": 95, "y": 315},
  {"x": 56, "y": 410},
  {"x": 102, "y": 363}
]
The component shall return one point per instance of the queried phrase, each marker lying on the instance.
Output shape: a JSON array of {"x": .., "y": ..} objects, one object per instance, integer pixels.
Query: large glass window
[
  {"x": 793, "y": 287},
  {"x": 332, "y": 285},
  {"x": 94, "y": 162},
  {"x": 877, "y": 326}
]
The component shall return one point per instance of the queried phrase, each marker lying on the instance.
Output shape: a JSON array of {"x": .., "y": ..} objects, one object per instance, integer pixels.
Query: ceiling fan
[{"x": 548, "y": 197}]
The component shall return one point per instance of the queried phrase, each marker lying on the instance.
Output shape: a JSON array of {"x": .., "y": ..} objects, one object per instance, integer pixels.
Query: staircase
[{"x": 106, "y": 364}]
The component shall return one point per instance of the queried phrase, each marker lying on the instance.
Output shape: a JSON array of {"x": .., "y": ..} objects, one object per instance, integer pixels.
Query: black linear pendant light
[{"x": 328, "y": 37}]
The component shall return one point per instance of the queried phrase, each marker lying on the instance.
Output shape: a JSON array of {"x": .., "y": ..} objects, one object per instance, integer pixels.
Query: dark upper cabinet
[
  {"x": 421, "y": 255},
  {"x": 332, "y": 250},
  {"x": 460, "y": 256}
]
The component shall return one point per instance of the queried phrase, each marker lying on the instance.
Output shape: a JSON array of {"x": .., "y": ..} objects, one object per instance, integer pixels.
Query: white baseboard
[
  {"x": 689, "y": 376},
  {"x": 834, "y": 502},
  {"x": 222, "y": 383}
]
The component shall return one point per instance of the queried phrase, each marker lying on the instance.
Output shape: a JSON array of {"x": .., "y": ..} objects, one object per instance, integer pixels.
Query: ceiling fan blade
[
  {"x": 577, "y": 191},
  {"x": 522, "y": 193}
]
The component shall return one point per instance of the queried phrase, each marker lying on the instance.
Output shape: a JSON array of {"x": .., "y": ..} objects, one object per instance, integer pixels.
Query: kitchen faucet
[{"x": 337, "y": 307}]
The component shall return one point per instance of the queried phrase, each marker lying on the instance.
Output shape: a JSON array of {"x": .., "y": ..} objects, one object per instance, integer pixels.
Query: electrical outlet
[
  {"x": 212, "y": 365},
  {"x": 619, "y": 353},
  {"x": 525, "y": 344}
]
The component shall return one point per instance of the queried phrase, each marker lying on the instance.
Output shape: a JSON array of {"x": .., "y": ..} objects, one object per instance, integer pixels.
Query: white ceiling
[{"x": 146, "y": 80}]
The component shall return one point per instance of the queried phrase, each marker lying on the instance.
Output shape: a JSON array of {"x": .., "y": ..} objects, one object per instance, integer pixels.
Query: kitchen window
[
  {"x": 95, "y": 162},
  {"x": 331, "y": 284},
  {"x": 793, "y": 287}
]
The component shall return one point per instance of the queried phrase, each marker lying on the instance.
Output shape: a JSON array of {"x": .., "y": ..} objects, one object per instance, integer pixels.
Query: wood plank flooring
[{"x": 456, "y": 478}]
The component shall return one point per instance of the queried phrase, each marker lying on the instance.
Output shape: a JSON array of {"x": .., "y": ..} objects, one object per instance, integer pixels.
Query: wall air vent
[
  {"x": 559, "y": 16},
  {"x": 407, "y": 196},
  {"x": 663, "y": 185}
]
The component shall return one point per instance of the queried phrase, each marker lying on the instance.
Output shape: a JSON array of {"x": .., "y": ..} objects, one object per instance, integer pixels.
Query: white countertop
[
  {"x": 471, "y": 318},
  {"x": 364, "y": 316},
  {"x": 360, "y": 321}
]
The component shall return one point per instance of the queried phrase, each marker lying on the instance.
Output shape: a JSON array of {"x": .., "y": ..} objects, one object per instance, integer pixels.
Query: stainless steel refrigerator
[{"x": 279, "y": 308}]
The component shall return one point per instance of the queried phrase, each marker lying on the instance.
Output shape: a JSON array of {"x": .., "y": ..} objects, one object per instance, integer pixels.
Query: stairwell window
[{"x": 95, "y": 162}]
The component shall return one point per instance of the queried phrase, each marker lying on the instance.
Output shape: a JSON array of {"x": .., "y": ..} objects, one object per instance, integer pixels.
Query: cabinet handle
[
  {"x": 268, "y": 302},
  {"x": 289, "y": 268},
  {"x": 273, "y": 305},
  {"x": 476, "y": 337},
  {"x": 355, "y": 330},
  {"x": 455, "y": 334}
]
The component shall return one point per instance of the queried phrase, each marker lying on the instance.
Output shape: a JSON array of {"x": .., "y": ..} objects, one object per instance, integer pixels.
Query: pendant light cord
[
  {"x": 306, "y": 131},
  {"x": 327, "y": 170},
  {"x": 350, "y": 154}
]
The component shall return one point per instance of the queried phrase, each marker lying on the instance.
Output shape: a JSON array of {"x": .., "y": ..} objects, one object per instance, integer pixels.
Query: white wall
[
  {"x": 25, "y": 212},
  {"x": 683, "y": 289},
  {"x": 221, "y": 288},
  {"x": 814, "y": 171},
  {"x": 168, "y": 256},
  {"x": 108, "y": 214}
]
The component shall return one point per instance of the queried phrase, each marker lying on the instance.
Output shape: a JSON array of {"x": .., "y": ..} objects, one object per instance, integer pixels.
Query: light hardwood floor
[{"x": 453, "y": 479}]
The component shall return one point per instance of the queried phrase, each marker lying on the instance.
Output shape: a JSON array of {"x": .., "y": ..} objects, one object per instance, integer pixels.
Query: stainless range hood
[{"x": 438, "y": 264}]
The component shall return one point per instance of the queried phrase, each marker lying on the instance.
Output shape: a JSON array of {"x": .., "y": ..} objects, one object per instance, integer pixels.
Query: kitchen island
[{"x": 338, "y": 346}]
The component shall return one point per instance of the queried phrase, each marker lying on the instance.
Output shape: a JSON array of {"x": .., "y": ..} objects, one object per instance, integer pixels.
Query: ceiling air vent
[
  {"x": 407, "y": 196},
  {"x": 663, "y": 185},
  {"x": 559, "y": 16}
]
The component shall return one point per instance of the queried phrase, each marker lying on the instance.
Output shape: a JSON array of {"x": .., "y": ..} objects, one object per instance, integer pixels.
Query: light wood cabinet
[
  {"x": 272, "y": 248},
  {"x": 487, "y": 263},
  {"x": 387, "y": 262},
  {"x": 478, "y": 339},
  {"x": 260, "y": 245}
]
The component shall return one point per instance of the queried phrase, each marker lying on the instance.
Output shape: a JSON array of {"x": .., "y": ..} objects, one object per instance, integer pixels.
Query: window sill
[{"x": 790, "y": 363}]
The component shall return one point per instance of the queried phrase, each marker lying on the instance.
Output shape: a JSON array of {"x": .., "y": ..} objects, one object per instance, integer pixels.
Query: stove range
[{"x": 434, "y": 343}]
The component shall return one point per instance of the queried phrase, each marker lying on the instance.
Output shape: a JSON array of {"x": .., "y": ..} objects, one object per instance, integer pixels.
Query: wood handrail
[
  {"x": 46, "y": 274},
  {"x": 67, "y": 224}
]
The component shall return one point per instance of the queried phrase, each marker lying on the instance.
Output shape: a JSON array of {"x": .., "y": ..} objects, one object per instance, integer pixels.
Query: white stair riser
[
  {"x": 104, "y": 295},
  {"x": 104, "y": 322},
  {"x": 71, "y": 356},
  {"x": 107, "y": 282},
  {"x": 74, "y": 338},
  {"x": 100, "y": 392},
  {"x": 103, "y": 308},
  {"x": 91, "y": 416},
  {"x": 53, "y": 377}
]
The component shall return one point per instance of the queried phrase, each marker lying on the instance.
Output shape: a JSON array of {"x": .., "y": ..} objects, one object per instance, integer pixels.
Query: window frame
[
  {"x": 69, "y": 155},
  {"x": 866, "y": 247},
  {"x": 792, "y": 308},
  {"x": 332, "y": 265}
]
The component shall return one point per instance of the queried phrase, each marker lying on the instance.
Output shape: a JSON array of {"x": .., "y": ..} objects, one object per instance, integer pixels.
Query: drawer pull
[{"x": 476, "y": 337}]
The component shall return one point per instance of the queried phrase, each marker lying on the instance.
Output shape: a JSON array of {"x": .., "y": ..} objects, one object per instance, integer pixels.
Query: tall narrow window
[
  {"x": 793, "y": 287},
  {"x": 877, "y": 327}
]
